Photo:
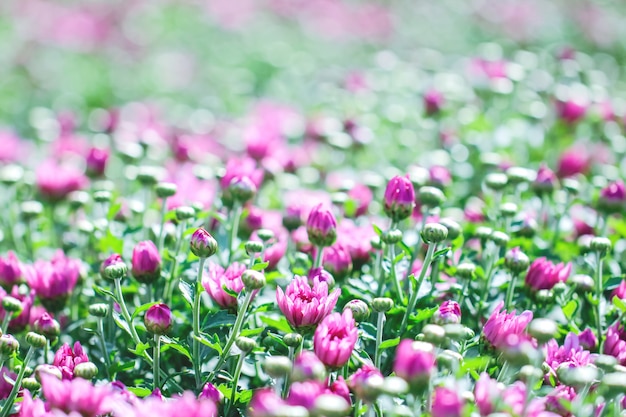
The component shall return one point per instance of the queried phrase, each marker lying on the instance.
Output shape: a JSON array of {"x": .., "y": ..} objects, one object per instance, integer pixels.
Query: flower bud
[
  {"x": 36, "y": 340},
  {"x": 253, "y": 247},
  {"x": 31, "y": 209},
  {"x": 147, "y": 175},
  {"x": 31, "y": 384},
  {"x": 543, "y": 330},
  {"x": 466, "y": 270},
  {"x": 307, "y": 366},
  {"x": 529, "y": 373},
  {"x": 86, "y": 370},
  {"x": 382, "y": 304},
  {"x": 158, "y": 319},
  {"x": 448, "y": 312},
  {"x": 434, "y": 334},
  {"x": 399, "y": 199},
  {"x": 102, "y": 196},
  {"x": 614, "y": 383},
  {"x": 360, "y": 310},
  {"x": 501, "y": 239},
  {"x": 455, "y": 331},
  {"x": 395, "y": 386},
  {"x": 605, "y": 362},
  {"x": 612, "y": 197},
  {"x": 210, "y": 392},
  {"x": 577, "y": 377},
  {"x": 11, "y": 174},
  {"x": 184, "y": 213},
  {"x": 46, "y": 369},
  {"x": 483, "y": 232},
  {"x": 321, "y": 227},
  {"x": 583, "y": 283},
  {"x": 245, "y": 344},
  {"x": 496, "y": 181},
  {"x": 292, "y": 339},
  {"x": 519, "y": 175},
  {"x": 545, "y": 182},
  {"x": 78, "y": 199},
  {"x": 330, "y": 405},
  {"x": 265, "y": 235},
  {"x": 165, "y": 189},
  {"x": 8, "y": 345},
  {"x": 392, "y": 237},
  {"x": 454, "y": 229},
  {"x": 242, "y": 189},
  {"x": 12, "y": 305},
  {"x": 516, "y": 260},
  {"x": 434, "y": 233},
  {"x": 115, "y": 271},
  {"x": 47, "y": 326},
  {"x": 571, "y": 186},
  {"x": 449, "y": 360},
  {"x": 202, "y": 244},
  {"x": 527, "y": 228},
  {"x": 508, "y": 209},
  {"x": 253, "y": 280},
  {"x": 431, "y": 196},
  {"x": 99, "y": 310},
  {"x": 601, "y": 245},
  {"x": 146, "y": 262},
  {"x": 277, "y": 366}
]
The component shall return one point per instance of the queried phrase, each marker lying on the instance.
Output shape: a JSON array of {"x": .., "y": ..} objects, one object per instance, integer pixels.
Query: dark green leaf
[
  {"x": 104, "y": 292},
  {"x": 281, "y": 324},
  {"x": 389, "y": 343},
  {"x": 187, "y": 291}
]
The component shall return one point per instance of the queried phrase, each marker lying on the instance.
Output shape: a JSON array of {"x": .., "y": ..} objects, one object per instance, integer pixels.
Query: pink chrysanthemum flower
[
  {"x": 501, "y": 325},
  {"x": 304, "y": 305}
]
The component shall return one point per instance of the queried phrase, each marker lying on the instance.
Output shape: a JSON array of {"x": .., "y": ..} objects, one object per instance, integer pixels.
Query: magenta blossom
[
  {"x": 613, "y": 196},
  {"x": 146, "y": 262},
  {"x": 571, "y": 111},
  {"x": 340, "y": 388},
  {"x": 55, "y": 181},
  {"x": 399, "y": 199},
  {"x": 544, "y": 275},
  {"x": 304, "y": 305},
  {"x": 359, "y": 381},
  {"x": 357, "y": 239},
  {"x": 67, "y": 358},
  {"x": 265, "y": 403},
  {"x": 588, "y": 339},
  {"x": 96, "y": 161},
  {"x": 620, "y": 291},
  {"x": 433, "y": 101},
  {"x": 335, "y": 338},
  {"x": 561, "y": 394},
  {"x": 546, "y": 179},
  {"x": 305, "y": 393},
  {"x": 439, "y": 176},
  {"x": 10, "y": 270},
  {"x": 446, "y": 403},
  {"x": 20, "y": 321},
  {"x": 217, "y": 277},
  {"x": 573, "y": 162},
  {"x": 76, "y": 396},
  {"x": 5, "y": 387},
  {"x": 336, "y": 260},
  {"x": 361, "y": 196},
  {"x": 571, "y": 354},
  {"x": 448, "y": 312},
  {"x": 321, "y": 226},
  {"x": 414, "y": 362},
  {"x": 158, "y": 319},
  {"x": 54, "y": 281},
  {"x": 239, "y": 168},
  {"x": 210, "y": 392},
  {"x": 615, "y": 343},
  {"x": 501, "y": 325}
]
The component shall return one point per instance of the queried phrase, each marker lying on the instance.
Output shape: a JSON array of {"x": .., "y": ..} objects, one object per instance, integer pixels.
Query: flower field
[{"x": 279, "y": 208}]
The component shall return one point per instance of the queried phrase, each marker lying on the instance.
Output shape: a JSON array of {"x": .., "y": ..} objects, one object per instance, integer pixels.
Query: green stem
[
  {"x": 122, "y": 303},
  {"x": 319, "y": 256},
  {"x": 378, "y": 272},
  {"x": 598, "y": 282},
  {"x": 8, "y": 404},
  {"x": 197, "y": 366},
  {"x": 464, "y": 292},
  {"x": 413, "y": 300},
  {"x": 6, "y": 320},
  {"x": 379, "y": 338},
  {"x": 416, "y": 248},
  {"x": 156, "y": 366},
  {"x": 287, "y": 377},
  {"x": 234, "y": 227},
  {"x": 394, "y": 275},
  {"x": 169, "y": 290},
  {"x": 488, "y": 276},
  {"x": 233, "y": 334},
  {"x": 233, "y": 394},
  {"x": 161, "y": 231},
  {"x": 509, "y": 291},
  {"x": 103, "y": 347}
]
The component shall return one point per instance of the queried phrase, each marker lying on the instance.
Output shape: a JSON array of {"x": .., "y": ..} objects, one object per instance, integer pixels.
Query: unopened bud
[
  {"x": 78, "y": 199},
  {"x": 543, "y": 330},
  {"x": 519, "y": 175},
  {"x": 483, "y": 232},
  {"x": 116, "y": 271},
  {"x": 99, "y": 310},
  {"x": 86, "y": 370},
  {"x": 583, "y": 283},
  {"x": 614, "y": 384},
  {"x": 434, "y": 233},
  {"x": 499, "y": 238},
  {"x": 245, "y": 344},
  {"x": 382, "y": 304},
  {"x": 12, "y": 305},
  {"x": 253, "y": 247},
  {"x": 265, "y": 235},
  {"x": 466, "y": 270},
  {"x": 330, "y": 405},
  {"x": 529, "y": 373},
  {"x": 31, "y": 209},
  {"x": 31, "y": 384},
  {"x": 185, "y": 213},
  {"x": 292, "y": 339},
  {"x": 600, "y": 244},
  {"x": 46, "y": 369},
  {"x": 277, "y": 366},
  {"x": 253, "y": 280},
  {"x": 360, "y": 310},
  {"x": 454, "y": 229},
  {"x": 392, "y": 237},
  {"x": 434, "y": 334},
  {"x": 516, "y": 260},
  {"x": 242, "y": 189},
  {"x": 571, "y": 185},
  {"x": 8, "y": 345},
  {"x": 102, "y": 196},
  {"x": 431, "y": 196},
  {"x": 165, "y": 189},
  {"x": 508, "y": 209},
  {"x": 202, "y": 244},
  {"x": 577, "y": 377},
  {"x": 36, "y": 340},
  {"x": 496, "y": 181},
  {"x": 605, "y": 362}
]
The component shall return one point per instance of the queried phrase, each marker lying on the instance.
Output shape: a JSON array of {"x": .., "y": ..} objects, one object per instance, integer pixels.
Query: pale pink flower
[{"x": 335, "y": 338}]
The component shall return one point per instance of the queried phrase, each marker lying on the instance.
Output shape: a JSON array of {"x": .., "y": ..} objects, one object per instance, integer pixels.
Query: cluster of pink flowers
[{"x": 502, "y": 325}]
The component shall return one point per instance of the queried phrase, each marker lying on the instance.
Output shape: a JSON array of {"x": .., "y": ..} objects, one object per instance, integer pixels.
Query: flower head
[
  {"x": 446, "y": 403},
  {"x": 399, "y": 198},
  {"x": 572, "y": 162},
  {"x": 433, "y": 101},
  {"x": 217, "y": 277},
  {"x": 158, "y": 319},
  {"x": 54, "y": 281},
  {"x": 571, "y": 111},
  {"x": 571, "y": 354},
  {"x": 336, "y": 260},
  {"x": 146, "y": 262},
  {"x": 304, "y": 305},
  {"x": 545, "y": 181},
  {"x": 415, "y": 362},
  {"x": 67, "y": 358},
  {"x": 613, "y": 196},
  {"x": 96, "y": 161},
  {"x": 56, "y": 181},
  {"x": 321, "y": 226},
  {"x": 209, "y": 391},
  {"x": 544, "y": 275},
  {"x": 448, "y": 312},
  {"x": 305, "y": 393},
  {"x": 10, "y": 270},
  {"x": 360, "y": 380},
  {"x": 615, "y": 343},
  {"x": 203, "y": 244},
  {"x": 500, "y": 325},
  {"x": 335, "y": 338}
]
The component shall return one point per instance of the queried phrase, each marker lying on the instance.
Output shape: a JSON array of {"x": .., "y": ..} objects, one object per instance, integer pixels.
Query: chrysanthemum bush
[{"x": 412, "y": 239}]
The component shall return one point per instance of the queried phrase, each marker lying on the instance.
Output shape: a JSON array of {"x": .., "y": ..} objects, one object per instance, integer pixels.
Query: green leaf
[
  {"x": 140, "y": 349},
  {"x": 281, "y": 324},
  {"x": 569, "y": 309},
  {"x": 440, "y": 253},
  {"x": 139, "y": 391},
  {"x": 121, "y": 323},
  {"x": 422, "y": 315},
  {"x": 378, "y": 230},
  {"x": 215, "y": 344},
  {"x": 259, "y": 267},
  {"x": 141, "y": 308},
  {"x": 104, "y": 292},
  {"x": 187, "y": 291},
  {"x": 177, "y": 347},
  {"x": 399, "y": 257},
  {"x": 219, "y": 319},
  {"x": 121, "y": 367},
  {"x": 389, "y": 343},
  {"x": 229, "y": 291},
  {"x": 252, "y": 332},
  {"x": 619, "y": 303}
]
